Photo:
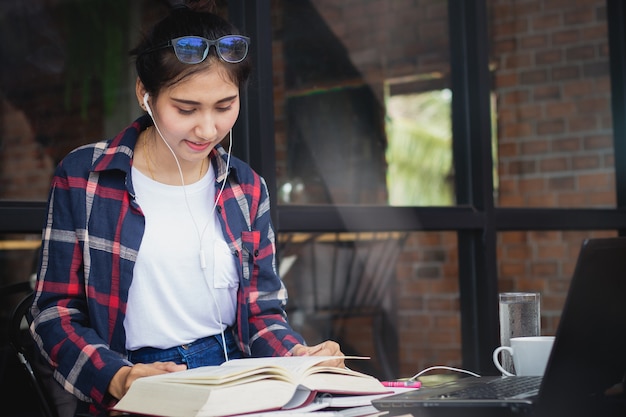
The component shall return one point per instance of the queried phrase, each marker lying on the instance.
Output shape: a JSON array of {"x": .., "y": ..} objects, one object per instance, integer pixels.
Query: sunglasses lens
[
  {"x": 191, "y": 49},
  {"x": 232, "y": 49}
]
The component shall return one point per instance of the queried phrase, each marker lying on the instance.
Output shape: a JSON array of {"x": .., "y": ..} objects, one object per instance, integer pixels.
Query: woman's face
[{"x": 195, "y": 114}]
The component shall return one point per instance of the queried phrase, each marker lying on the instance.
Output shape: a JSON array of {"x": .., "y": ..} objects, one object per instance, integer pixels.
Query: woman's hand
[
  {"x": 126, "y": 375},
  {"x": 327, "y": 348}
]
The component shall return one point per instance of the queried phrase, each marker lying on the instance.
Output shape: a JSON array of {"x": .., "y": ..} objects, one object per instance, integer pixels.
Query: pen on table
[{"x": 402, "y": 384}]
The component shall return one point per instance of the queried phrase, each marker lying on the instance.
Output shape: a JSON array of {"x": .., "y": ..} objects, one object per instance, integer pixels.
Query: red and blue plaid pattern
[{"x": 91, "y": 236}]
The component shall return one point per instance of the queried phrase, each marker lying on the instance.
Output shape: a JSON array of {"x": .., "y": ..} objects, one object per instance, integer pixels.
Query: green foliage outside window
[{"x": 419, "y": 151}]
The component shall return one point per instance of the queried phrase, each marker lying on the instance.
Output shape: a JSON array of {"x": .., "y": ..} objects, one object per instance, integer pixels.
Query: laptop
[{"x": 587, "y": 366}]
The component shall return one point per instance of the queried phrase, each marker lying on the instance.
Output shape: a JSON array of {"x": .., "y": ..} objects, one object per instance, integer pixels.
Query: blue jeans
[{"x": 202, "y": 352}]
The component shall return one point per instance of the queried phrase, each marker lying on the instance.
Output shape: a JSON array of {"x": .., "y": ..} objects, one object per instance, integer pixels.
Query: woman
[{"x": 158, "y": 251}]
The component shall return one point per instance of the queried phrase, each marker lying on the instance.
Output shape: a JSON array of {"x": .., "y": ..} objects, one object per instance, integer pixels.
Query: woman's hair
[{"x": 159, "y": 68}]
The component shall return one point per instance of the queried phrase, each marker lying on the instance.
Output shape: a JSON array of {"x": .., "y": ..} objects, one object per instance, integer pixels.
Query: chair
[
  {"x": 53, "y": 400},
  {"x": 24, "y": 346},
  {"x": 343, "y": 283}
]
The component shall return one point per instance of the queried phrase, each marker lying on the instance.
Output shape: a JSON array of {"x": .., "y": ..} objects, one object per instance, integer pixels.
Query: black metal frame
[{"x": 476, "y": 220}]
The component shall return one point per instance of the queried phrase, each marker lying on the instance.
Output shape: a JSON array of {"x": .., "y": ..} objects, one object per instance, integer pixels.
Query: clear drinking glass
[{"x": 520, "y": 315}]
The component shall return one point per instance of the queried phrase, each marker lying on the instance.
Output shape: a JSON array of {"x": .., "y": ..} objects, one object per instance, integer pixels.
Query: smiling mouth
[{"x": 198, "y": 146}]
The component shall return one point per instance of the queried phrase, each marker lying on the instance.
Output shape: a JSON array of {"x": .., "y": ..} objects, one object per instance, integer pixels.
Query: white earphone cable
[
  {"x": 448, "y": 368},
  {"x": 200, "y": 235}
]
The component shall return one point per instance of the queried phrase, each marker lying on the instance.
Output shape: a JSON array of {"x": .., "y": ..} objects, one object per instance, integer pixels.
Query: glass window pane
[
  {"x": 362, "y": 103},
  {"x": 388, "y": 295},
  {"x": 541, "y": 262},
  {"x": 554, "y": 127},
  {"x": 66, "y": 79},
  {"x": 18, "y": 264},
  {"x": 331, "y": 279}
]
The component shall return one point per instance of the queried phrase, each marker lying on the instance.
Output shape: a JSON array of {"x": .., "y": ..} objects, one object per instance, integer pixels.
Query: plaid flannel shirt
[{"x": 92, "y": 233}]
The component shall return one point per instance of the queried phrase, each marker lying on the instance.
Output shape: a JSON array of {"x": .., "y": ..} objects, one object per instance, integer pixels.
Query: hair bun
[{"x": 203, "y": 6}]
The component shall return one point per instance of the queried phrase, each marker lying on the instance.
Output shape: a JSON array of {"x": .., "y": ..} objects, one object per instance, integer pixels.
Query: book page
[
  {"x": 221, "y": 375},
  {"x": 285, "y": 368},
  {"x": 343, "y": 383},
  {"x": 150, "y": 396},
  {"x": 294, "y": 365},
  {"x": 246, "y": 398},
  {"x": 304, "y": 370},
  {"x": 341, "y": 400}
]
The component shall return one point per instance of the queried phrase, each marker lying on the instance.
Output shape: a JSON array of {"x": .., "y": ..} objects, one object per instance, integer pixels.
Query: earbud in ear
[{"x": 145, "y": 103}]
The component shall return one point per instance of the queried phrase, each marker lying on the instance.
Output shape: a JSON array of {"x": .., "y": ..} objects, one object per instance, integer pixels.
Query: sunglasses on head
[{"x": 195, "y": 49}]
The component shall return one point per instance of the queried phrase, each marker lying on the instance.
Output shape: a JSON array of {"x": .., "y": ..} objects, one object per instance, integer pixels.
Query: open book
[{"x": 244, "y": 386}]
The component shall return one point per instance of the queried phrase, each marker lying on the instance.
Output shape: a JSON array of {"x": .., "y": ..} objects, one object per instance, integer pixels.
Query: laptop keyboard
[{"x": 520, "y": 387}]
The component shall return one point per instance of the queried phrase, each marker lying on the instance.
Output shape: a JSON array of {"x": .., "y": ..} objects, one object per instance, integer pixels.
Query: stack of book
[{"x": 257, "y": 387}]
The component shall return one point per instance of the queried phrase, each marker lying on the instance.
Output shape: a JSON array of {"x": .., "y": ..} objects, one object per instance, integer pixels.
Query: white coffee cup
[{"x": 530, "y": 355}]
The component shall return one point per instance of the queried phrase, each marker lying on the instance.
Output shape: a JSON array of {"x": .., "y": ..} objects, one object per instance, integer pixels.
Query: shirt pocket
[{"x": 224, "y": 271}]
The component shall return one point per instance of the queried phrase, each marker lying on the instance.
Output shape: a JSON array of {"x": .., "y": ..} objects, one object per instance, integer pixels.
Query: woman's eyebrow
[
  {"x": 193, "y": 102},
  {"x": 227, "y": 99}
]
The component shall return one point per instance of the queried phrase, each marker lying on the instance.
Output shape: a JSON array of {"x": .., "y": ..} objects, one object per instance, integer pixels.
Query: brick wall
[{"x": 553, "y": 103}]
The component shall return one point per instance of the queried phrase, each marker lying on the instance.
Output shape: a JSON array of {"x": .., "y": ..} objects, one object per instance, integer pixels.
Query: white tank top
[{"x": 173, "y": 300}]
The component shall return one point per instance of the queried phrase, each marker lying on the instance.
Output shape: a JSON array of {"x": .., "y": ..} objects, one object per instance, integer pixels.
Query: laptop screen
[{"x": 589, "y": 354}]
